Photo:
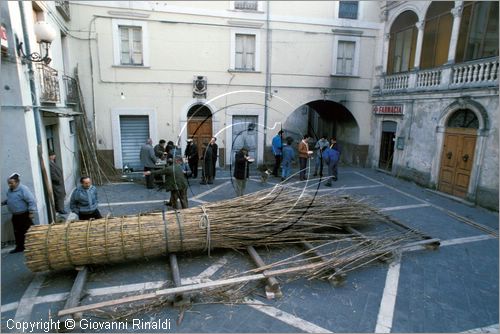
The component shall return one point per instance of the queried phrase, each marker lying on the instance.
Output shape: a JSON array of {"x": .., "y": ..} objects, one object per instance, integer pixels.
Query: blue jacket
[
  {"x": 288, "y": 154},
  {"x": 277, "y": 145},
  {"x": 20, "y": 200},
  {"x": 84, "y": 200},
  {"x": 331, "y": 156}
]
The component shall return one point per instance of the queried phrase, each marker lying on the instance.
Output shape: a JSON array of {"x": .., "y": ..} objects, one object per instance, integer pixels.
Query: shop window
[
  {"x": 437, "y": 33},
  {"x": 402, "y": 43},
  {"x": 478, "y": 37}
]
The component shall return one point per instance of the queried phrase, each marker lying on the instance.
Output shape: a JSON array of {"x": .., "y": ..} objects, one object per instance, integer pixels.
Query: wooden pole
[
  {"x": 75, "y": 294},
  {"x": 48, "y": 186},
  {"x": 179, "y": 299},
  {"x": 273, "y": 286},
  {"x": 190, "y": 288}
]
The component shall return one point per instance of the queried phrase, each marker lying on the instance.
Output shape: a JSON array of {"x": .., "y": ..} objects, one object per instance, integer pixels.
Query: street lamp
[{"x": 45, "y": 34}]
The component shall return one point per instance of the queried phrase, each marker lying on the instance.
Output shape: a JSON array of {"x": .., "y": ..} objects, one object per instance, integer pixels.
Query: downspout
[
  {"x": 36, "y": 112},
  {"x": 268, "y": 78}
]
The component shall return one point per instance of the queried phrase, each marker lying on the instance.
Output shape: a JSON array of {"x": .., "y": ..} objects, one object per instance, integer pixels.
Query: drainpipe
[
  {"x": 47, "y": 189},
  {"x": 268, "y": 78}
]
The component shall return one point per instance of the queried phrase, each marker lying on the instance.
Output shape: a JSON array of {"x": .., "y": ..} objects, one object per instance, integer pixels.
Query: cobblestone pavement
[{"x": 451, "y": 289}]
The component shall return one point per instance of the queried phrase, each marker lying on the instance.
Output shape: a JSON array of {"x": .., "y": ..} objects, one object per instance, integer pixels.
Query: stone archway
[{"x": 331, "y": 119}]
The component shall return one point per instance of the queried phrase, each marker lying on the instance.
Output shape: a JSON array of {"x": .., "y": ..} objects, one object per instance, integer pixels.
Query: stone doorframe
[{"x": 482, "y": 134}]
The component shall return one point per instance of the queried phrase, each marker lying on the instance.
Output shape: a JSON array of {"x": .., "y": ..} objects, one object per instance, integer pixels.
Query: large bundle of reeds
[{"x": 278, "y": 216}]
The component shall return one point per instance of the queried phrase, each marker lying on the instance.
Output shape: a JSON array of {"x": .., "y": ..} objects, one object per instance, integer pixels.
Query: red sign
[
  {"x": 393, "y": 109},
  {"x": 3, "y": 34}
]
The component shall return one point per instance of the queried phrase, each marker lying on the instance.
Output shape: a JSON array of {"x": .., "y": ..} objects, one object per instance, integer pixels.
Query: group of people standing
[
  {"x": 178, "y": 169},
  {"x": 327, "y": 154}
]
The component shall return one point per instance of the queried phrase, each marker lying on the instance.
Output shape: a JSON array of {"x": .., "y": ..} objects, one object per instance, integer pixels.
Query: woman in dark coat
[{"x": 241, "y": 170}]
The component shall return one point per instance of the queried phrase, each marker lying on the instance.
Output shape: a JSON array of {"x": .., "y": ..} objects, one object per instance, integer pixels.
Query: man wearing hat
[
  {"x": 22, "y": 205},
  {"x": 175, "y": 182},
  {"x": 191, "y": 153},
  {"x": 58, "y": 189},
  {"x": 241, "y": 170}
]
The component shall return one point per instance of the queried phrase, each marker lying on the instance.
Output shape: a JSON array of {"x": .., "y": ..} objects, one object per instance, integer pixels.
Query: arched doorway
[
  {"x": 458, "y": 152},
  {"x": 331, "y": 119},
  {"x": 199, "y": 125},
  {"x": 387, "y": 141}
]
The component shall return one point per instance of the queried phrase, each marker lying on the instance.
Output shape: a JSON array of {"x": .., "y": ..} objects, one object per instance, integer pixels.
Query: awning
[{"x": 60, "y": 112}]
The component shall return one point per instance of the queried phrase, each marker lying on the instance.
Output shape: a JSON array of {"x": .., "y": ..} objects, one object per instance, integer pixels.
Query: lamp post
[{"x": 45, "y": 34}]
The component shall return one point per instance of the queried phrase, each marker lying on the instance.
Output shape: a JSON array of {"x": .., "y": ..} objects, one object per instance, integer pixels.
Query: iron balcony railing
[
  {"x": 246, "y": 5},
  {"x": 49, "y": 84}
]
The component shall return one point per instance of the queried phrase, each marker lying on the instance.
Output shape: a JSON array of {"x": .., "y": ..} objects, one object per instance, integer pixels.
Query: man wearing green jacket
[{"x": 175, "y": 182}]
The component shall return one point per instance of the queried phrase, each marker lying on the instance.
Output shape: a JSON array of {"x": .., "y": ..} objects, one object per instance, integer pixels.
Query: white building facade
[
  {"x": 303, "y": 66},
  {"x": 38, "y": 103}
]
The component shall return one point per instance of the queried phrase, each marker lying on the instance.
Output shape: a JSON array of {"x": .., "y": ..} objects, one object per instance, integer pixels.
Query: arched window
[
  {"x": 402, "y": 43},
  {"x": 199, "y": 111},
  {"x": 478, "y": 37},
  {"x": 437, "y": 33},
  {"x": 463, "y": 118}
]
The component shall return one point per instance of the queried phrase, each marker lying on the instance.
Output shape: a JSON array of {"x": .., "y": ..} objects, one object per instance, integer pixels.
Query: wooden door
[
  {"x": 386, "y": 150},
  {"x": 456, "y": 161},
  {"x": 201, "y": 132}
]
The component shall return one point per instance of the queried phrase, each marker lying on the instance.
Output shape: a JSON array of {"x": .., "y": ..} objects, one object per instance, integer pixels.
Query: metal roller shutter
[{"x": 134, "y": 132}]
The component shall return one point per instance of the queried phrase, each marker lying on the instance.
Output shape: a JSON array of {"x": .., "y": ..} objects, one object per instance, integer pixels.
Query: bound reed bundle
[{"x": 279, "y": 216}]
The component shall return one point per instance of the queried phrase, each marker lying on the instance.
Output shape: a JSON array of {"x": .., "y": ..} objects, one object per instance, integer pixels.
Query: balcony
[
  {"x": 71, "y": 90},
  {"x": 49, "y": 84},
  {"x": 473, "y": 74},
  {"x": 63, "y": 9}
]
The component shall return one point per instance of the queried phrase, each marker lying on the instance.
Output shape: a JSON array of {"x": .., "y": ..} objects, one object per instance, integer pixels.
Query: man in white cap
[{"x": 22, "y": 205}]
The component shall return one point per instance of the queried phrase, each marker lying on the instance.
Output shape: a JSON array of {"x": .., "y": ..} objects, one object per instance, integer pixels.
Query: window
[
  {"x": 346, "y": 55},
  {"x": 402, "y": 43},
  {"x": 348, "y": 10},
  {"x": 246, "y": 5},
  {"x": 437, "y": 33},
  {"x": 130, "y": 43},
  {"x": 72, "y": 127},
  {"x": 463, "y": 118},
  {"x": 478, "y": 36},
  {"x": 245, "y": 50}
]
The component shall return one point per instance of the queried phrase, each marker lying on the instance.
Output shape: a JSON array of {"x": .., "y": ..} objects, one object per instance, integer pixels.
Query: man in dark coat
[
  {"x": 148, "y": 160},
  {"x": 215, "y": 154},
  {"x": 175, "y": 182},
  {"x": 241, "y": 170},
  {"x": 208, "y": 165},
  {"x": 58, "y": 189},
  {"x": 191, "y": 153},
  {"x": 160, "y": 149}
]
